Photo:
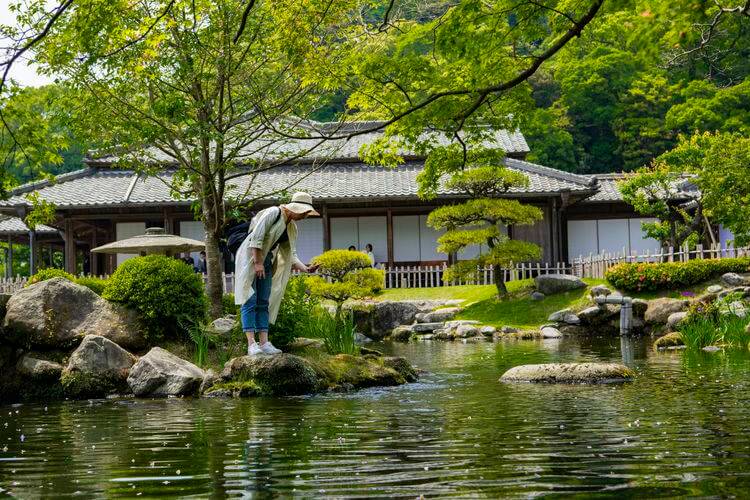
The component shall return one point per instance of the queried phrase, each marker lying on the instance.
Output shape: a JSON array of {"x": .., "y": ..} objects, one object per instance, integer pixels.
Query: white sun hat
[{"x": 301, "y": 204}]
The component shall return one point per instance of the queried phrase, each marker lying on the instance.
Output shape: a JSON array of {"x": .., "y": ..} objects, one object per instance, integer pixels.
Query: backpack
[{"x": 238, "y": 233}]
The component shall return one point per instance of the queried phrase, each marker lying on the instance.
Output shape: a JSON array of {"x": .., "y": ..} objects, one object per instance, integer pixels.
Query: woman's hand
[
  {"x": 260, "y": 271},
  {"x": 312, "y": 268}
]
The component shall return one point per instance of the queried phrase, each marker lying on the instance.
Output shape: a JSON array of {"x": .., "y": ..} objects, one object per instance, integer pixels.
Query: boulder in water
[
  {"x": 669, "y": 340},
  {"x": 388, "y": 315},
  {"x": 401, "y": 334},
  {"x": 160, "y": 373},
  {"x": 569, "y": 373},
  {"x": 38, "y": 369},
  {"x": 58, "y": 313},
  {"x": 549, "y": 284},
  {"x": 280, "y": 375},
  {"x": 96, "y": 368}
]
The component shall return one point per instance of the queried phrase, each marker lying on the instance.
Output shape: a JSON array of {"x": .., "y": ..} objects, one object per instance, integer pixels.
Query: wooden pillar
[
  {"x": 33, "y": 253},
  {"x": 389, "y": 233},
  {"x": 554, "y": 244},
  {"x": 169, "y": 223},
  {"x": 94, "y": 257},
  {"x": 9, "y": 262},
  {"x": 70, "y": 247},
  {"x": 326, "y": 228}
]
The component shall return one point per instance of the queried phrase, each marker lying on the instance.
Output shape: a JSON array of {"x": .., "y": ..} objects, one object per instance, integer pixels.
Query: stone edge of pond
[{"x": 569, "y": 373}]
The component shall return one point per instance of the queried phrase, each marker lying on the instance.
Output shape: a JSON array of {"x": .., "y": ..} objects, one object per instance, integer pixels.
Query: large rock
[
  {"x": 223, "y": 326},
  {"x": 280, "y": 375},
  {"x": 426, "y": 327},
  {"x": 556, "y": 283},
  {"x": 466, "y": 331},
  {"x": 38, "y": 369},
  {"x": 401, "y": 366},
  {"x": 595, "y": 315},
  {"x": 600, "y": 290},
  {"x": 439, "y": 316},
  {"x": 550, "y": 332},
  {"x": 401, "y": 334},
  {"x": 672, "y": 339},
  {"x": 675, "y": 319},
  {"x": 714, "y": 289},
  {"x": 569, "y": 373},
  {"x": 537, "y": 296},
  {"x": 96, "y": 368},
  {"x": 640, "y": 306},
  {"x": 388, "y": 315},
  {"x": 160, "y": 373},
  {"x": 488, "y": 331},
  {"x": 734, "y": 279},
  {"x": 659, "y": 309},
  {"x": 564, "y": 316},
  {"x": 58, "y": 313}
]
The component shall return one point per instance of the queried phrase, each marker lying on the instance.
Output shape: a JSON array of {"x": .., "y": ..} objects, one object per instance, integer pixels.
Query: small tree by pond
[
  {"x": 345, "y": 274},
  {"x": 482, "y": 220}
]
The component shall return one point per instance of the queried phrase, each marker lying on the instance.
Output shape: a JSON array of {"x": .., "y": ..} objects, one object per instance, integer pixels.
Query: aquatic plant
[
  {"x": 337, "y": 331},
  {"x": 721, "y": 322}
]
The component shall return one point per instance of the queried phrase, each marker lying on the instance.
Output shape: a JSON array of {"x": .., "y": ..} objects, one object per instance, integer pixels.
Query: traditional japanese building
[{"x": 359, "y": 204}]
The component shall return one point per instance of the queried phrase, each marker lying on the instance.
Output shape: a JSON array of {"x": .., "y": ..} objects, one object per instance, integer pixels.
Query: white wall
[
  {"x": 344, "y": 232},
  {"x": 405, "y": 238},
  {"x": 359, "y": 231},
  {"x": 609, "y": 236},
  {"x": 309, "y": 238},
  {"x": 428, "y": 241},
  {"x": 124, "y": 230}
]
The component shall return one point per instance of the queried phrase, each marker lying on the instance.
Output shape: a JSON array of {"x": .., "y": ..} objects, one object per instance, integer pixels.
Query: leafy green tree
[
  {"x": 640, "y": 127},
  {"x": 709, "y": 108},
  {"x": 345, "y": 274},
  {"x": 202, "y": 86},
  {"x": 483, "y": 220},
  {"x": 654, "y": 191}
]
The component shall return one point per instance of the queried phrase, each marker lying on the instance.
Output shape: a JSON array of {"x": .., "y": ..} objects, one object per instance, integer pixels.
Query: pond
[{"x": 682, "y": 428}]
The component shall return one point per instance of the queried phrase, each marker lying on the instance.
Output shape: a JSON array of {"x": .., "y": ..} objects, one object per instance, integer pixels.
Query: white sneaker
[
  {"x": 254, "y": 349},
  {"x": 268, "y": 348}
]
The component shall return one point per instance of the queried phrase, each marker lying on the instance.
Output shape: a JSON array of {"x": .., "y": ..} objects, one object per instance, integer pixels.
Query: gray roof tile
[
  {"x": 14, "y": 225},
  {"x": 104, "y": 187}
]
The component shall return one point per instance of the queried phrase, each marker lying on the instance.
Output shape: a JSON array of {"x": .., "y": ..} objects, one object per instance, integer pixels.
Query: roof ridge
[
  {"x": 34, "y": 185},
  {"x": 551, "y": 172}
]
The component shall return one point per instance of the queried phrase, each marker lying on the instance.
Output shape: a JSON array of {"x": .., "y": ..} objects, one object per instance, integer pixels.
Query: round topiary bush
[
  {"x": 168, "y": 294},
  {"x": 48, "y": 274}
]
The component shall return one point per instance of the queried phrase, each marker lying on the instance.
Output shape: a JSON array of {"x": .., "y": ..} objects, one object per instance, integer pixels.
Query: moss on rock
[{"x": 669, "y": 340}]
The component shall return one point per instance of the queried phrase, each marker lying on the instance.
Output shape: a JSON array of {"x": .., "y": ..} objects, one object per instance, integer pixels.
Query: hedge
[{"x": 643, "y": 276}]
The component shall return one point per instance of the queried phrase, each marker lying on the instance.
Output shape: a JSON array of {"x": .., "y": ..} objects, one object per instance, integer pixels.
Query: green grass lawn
[
  {"x": 518, "y": 310},
  {"x": 481, "y": 304}
]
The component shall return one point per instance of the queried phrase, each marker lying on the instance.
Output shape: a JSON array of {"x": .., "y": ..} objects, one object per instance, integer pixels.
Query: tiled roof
[
  {"x": 99, "y": 187},
  {"x": 14, "y": 225},
  {"x": 334, "y": 150},
  {"x": 609, "y": 191}
]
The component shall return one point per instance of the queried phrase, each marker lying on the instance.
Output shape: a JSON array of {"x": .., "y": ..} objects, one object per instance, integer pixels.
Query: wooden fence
[
  {"x": 593, "y": 266},
  {"x": 596, "y": 266}
]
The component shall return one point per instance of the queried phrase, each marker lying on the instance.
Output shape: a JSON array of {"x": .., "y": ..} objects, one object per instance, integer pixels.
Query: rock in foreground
[
  {"x": 58, "y": 313},
  {"x": 96, "y": 368},
  {"x": 160, "y": 373},
  {"x": 569, "y": 373},
  {"x": 309, "y": 370}
]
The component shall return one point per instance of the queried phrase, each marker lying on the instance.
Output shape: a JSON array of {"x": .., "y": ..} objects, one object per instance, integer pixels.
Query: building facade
[{"x": 359, "y": 204}]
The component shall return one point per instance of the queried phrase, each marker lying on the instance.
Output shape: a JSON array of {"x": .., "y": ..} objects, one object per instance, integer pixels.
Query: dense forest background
[{"x": 611, "y": 101}]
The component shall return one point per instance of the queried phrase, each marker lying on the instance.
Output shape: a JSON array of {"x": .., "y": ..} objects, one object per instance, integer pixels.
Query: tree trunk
[
  {"x": 497, "y": 278},
  {"x": 214, "y": 281}
]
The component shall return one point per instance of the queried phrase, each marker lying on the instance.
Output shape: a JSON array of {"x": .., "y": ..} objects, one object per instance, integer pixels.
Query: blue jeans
[{"x": 254, "y": 312}]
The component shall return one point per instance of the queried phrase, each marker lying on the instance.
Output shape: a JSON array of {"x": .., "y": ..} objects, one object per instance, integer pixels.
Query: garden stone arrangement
[{"x": 61, "y": 340}]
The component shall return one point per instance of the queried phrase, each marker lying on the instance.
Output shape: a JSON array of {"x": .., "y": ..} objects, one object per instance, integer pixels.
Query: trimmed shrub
[
  {"x": 48, "y": 274},
  {"x": 644, "y": 276},
  {"x": 167, "y": 293},
  {"x": 296, "y": 313},
  {"x": 348, "y": 274},
  {"x": 94, "y": 284}
]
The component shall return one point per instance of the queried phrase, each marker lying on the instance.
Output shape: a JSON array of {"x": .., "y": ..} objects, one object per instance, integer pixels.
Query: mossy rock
[
  {"x": 669, "y": 340},
  {"x": 402, "y": 367},
  {"x": 82, "y": 385},
  {"x": 282, "y": 375},
  {"x": 245, "y": 389}
]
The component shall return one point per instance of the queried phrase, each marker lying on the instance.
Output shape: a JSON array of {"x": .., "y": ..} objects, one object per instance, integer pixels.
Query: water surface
[{"x": 682, "y": 428}]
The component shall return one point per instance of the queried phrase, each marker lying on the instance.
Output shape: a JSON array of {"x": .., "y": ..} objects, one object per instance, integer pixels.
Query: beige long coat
[{"x": 263, "y": 233}]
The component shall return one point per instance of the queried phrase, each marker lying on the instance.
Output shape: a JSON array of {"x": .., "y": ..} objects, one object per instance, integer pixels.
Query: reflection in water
[{"x": 680, "y": 429}]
